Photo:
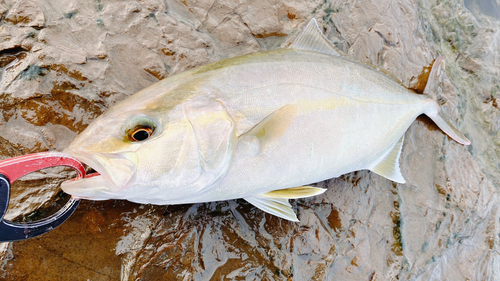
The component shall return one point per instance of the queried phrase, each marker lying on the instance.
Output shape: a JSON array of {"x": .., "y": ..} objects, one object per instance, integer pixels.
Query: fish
[{"x": 261, "y": 127}]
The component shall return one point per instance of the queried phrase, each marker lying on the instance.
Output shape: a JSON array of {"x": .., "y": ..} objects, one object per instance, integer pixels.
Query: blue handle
[{"x": 10, "y": 231}]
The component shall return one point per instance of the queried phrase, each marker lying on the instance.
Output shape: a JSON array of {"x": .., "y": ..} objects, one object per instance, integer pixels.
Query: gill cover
[{"x": 213, "y": 130}]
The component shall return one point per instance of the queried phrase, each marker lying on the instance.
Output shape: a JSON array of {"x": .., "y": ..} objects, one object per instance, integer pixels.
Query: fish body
[{"x": 259, "y": 127}]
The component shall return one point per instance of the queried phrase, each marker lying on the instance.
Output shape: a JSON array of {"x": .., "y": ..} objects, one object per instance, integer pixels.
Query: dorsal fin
[{"x": 312, "y": 39}]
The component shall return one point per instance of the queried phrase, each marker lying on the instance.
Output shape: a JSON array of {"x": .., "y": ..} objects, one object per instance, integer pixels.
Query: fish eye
[
  {"x": 140, "y": 133},
  {"x": 139, "y": 128}
]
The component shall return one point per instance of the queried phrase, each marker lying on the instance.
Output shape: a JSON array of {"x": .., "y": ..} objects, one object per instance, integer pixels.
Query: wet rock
[
  {"x": 63, "y": 65},
  {"x": 3, "y": 9},
  {"x": 14, "y": 39},
  {"x": 26, "y": 13}
]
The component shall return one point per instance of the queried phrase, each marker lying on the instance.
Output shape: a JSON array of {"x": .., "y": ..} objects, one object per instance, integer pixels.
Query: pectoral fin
[
  {"x": 276, "y": 202},
  {"x": 271, "y": 128},
  {"x": 388, "y": 167}
]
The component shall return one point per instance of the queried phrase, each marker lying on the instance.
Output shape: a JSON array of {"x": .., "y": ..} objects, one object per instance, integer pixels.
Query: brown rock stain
[
  {"x": 55, "y": 108},
  {"x": 441, "y": 190},
  {"x": 397, "y": 246},
  {"x": 71, "y": 73},
  {"x": 389, "y": 261},
  {"x": 7, "y": 58},
  {"x": 495, "y": 103},
  {"x": 155, "y": 73},
  {"x": 264, "y": 35},
  {"x": 490, "y": 240},
  {"x": 354, "y": 261},
  {"x": 7, "y": 148},
  {"x": 167, "y": 52},
  {"x": 319, "y": 272},
  {"x": 187, "y": 258},
  {"x": 334, "y": 220},
  {"x": 16, "y": 19},
  {"x": 94, "y": 221},
  {"x": 12, "y": 66},
  {"x": 422, "y": 79}
]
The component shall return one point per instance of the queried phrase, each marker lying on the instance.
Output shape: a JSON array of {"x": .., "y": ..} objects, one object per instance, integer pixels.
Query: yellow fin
[
  {"x": 276, "y": 202},
  {"x": 273, "y": 126},
  {"x": 295, "y": 192},
  {"x": 388, "y": 167}
]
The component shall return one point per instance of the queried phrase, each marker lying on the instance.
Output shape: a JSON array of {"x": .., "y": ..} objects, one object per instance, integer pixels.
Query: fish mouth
[
  {"x": 92, "y": 188},
  {"x": 114, "y": 172}
]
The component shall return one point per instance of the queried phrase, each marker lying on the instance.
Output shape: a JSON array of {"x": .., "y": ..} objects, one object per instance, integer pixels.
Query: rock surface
[{"x": 64, "y": 62}]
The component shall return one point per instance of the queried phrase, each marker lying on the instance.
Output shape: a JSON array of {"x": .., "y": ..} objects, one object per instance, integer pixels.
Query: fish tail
[
  {"x": 442, "y": 120},
  {"x": 444, "y": 123}
]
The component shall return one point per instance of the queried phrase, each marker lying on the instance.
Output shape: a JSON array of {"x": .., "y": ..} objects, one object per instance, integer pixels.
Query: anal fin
[
  {"x": 276, "y": 202},
  {"x": 388, "y": 167}
]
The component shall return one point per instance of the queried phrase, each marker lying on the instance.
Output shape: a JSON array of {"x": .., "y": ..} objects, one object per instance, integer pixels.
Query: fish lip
[
  {"x": 118, "y": 169},
  {"x": 79, "y": 189},
  {"x": 92, "y": 162}
]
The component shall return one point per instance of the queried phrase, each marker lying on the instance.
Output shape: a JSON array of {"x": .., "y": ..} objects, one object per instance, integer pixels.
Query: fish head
[{"x": 154, "y": 154}]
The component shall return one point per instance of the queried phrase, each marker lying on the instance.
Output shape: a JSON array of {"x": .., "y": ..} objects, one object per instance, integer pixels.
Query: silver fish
[{"x": 259, "y": 127}]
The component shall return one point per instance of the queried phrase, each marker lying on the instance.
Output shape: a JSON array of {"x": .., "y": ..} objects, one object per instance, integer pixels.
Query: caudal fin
[{"x": 440, "y": 118}]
